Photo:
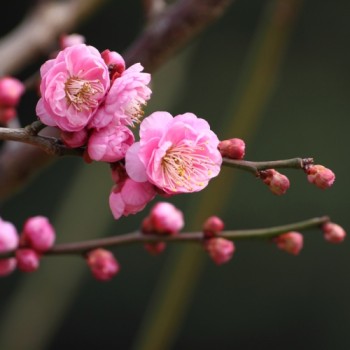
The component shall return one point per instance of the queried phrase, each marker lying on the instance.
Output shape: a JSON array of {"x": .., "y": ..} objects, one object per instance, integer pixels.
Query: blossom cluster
[{"x": 94, "y": 100}]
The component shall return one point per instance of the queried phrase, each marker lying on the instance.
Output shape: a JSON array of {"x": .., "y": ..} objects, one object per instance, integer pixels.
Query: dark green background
[{"x": 262, "y": 299}]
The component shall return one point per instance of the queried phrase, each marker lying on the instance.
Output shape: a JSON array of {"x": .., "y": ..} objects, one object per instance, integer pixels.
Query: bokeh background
[{"x": 275, "y": 73}]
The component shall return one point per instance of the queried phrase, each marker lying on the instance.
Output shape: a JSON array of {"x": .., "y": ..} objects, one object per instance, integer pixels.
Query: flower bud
[
  {"x": 333, "y": 233},
  {"x": 70, "y": 40},
  {"x": 8, "y": 236},
  {"x": 232, "y": 148},
  {"x": 166, "y": 218},
  {"x": 103, "y": 264},
  {"x": 74, "y": 139},
  {"x": 28, "y": 260},
  {"x": 219, "y": 249},
  {"x": 7, "y": 114},
  {"x": 320, "y": 176},
  {"x": 212, "y": 226},
  {"x": 277, "y": 182},
  {"x": 115, "y": 63},
  {"x": 7, "y": 266},
  {"x": 291, "y": 242},
  {"x": 11, "y": 90},
  {"x": 155, "y": 248},
  {"x": 38, "y": 233}
]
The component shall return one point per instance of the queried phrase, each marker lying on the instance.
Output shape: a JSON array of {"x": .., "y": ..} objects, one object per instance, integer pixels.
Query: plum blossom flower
[
  {"x": 110, "y": 144},
  {"x": 177, "y": 154},
  {"x": 73, "y": 86},
  {"x": 125, "y": 99},
  {"x": 291, "y": 242},
  {"x": 7, "y": 266},
  {"x": 219, "y": 249},
  {"x": 103, "y": 264},
  {"x": 8, "y": 236},
  {"x": 130, "y": 197},
  {"x": 320, "y": 176}
]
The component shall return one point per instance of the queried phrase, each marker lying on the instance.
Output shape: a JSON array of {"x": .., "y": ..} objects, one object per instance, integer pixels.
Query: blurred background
[{"x": 275, "y": 73}]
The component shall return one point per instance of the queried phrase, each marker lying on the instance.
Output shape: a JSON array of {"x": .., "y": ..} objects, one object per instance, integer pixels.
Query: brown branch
[
  {"x": 195, "y": 237},
  {"x": 170, "y": 31}
]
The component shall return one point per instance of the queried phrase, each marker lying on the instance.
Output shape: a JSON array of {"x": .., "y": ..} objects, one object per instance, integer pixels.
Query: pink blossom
[
  {"x": 291, "y": 242},
  {"x": 8, "y": 236},
  {"x": 7, "y": 266},
  {"x": 28, "y": 260},
  {"x": 74, "y": 139},
  {"x": 73, "y": 86},
  {"x": 130, "y": 197},
  {"x": 125, "y": 99},
  {"x": 320, "y": 176},
  {"x": 212, "y": 226},
  {"x": 38, "y": 233},
  {"x": 219, "y": 249},
  {"x": 11, "y": 90},
  {"x": 178, "y": 155},
  {"x": 110, "y": 143},
  {"x": 166, "y": 218},
  {"x": 103, "y": 264},
  {"x": 333, "y": 233}
]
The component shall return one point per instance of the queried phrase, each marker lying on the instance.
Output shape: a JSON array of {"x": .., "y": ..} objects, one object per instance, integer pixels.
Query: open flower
[
  {"x": 178, "y": 155},
  {"x": 125, "y": 99},
  {"x": 72, "y": 87}
]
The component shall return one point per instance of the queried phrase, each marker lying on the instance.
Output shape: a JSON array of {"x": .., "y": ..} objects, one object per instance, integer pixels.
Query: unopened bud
[
  {"x": 74, "y": 139},
  {"x": 7, "y": 266},
  {"x": 320, "y": 176},
  {"x": 212, "y": 226},
  {"x": 166, "y": 218},
  {"x": 38, "y": 233},
  {"x": 155, "y": 248},
  {"x": 232, "y": 148},
  {"x": 219, "y": 249},
  {"x": 8, "y": 236},
  {"x": 11, "y": 90},
  {"x": 333, "y": 233},
  {"x": 277, "y": 182},
  {"x": 115, "y": 63},
  {"x": 7, "y": 114},
  {"x": 28, "y": 260},
  {"x": 291, "y": 242},
  {"x": 103, "y": 264}
]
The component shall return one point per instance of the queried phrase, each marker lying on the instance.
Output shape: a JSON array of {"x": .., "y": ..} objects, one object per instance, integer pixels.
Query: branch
[{"x": 189, "y": 237}]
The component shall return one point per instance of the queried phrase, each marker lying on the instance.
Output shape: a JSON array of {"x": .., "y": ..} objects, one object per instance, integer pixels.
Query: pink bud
[
  {"x": 38, "y": 233},
  {"x": 291, "y": 242},
  {"x": 103, "y": 264},
  {"x": 155, "y": 248},
  {"x": 11, "y": 90},
  {"x": 115, "y": 63},
  {"x": 8, "y": 236},
  {"x": 147, "y": 226},
  {"x": 70, "y": 40},
  {"x": 7, "y": 114},
  {"x": 7, "y": 266},
  {"x": 166, "y": 218},
  {"x": 74, "y": 139},
  {"x": 333, "y": 233},
  {"x": 219, "y": 249},
  {"x": 277, "y": 182},
  {"x": 28, "y": 260},
  {"x": 320, "y": 176},
  {"x": 212, "y": 226},
  {"x": 232, "y": 148}
]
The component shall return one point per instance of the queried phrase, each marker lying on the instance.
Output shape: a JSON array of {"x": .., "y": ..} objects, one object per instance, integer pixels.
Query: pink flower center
[
  {"x": 81, "y": 93},
  {"x": 184, "y": 165}
]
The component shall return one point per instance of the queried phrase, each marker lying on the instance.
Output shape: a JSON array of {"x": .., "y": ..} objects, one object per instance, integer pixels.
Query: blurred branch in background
[
  {"x": 176, "y": 285},
  {"x": 170, "y": 31}
]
